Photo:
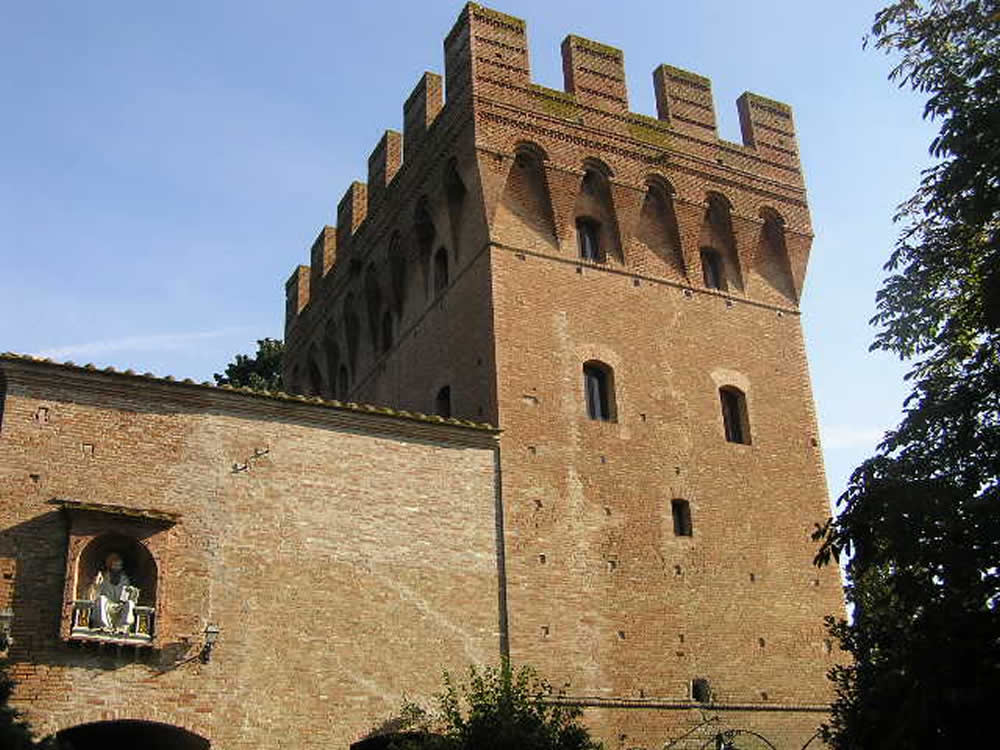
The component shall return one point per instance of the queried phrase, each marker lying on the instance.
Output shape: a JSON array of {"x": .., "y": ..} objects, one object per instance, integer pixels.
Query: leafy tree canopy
[
  {"x": 497, "y": 708},
  {"x": 919, "y": 524},
  {"x": 15, "y": 733},
  {"x": 262, "y": 372}
]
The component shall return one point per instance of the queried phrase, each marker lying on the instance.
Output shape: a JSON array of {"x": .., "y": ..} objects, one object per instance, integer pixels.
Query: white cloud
[
  {"x": 146, "y": 343},
  {"x": 846, "y": 436}
]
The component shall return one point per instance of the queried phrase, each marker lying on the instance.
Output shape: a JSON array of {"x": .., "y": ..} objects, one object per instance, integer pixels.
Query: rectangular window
[
  {"x": 442, "y": 404},
  {"x": 681, "y": 510},
  {"x": 734, "y": 418}
]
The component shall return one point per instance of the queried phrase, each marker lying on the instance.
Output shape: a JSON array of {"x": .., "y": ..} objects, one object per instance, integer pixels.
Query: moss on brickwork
[
  {"x": 498, "y": 16},
  {"x": 555, "y": 103},
  {"x": 650, "y": 130},
  {"x": 764, "y": 101},
  {"x": 686, "y": 75},
  {"x": 603, "y": 49}
]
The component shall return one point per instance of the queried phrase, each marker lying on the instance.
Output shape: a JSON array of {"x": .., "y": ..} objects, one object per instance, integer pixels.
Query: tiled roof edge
[{"x": 270, "y": 395}]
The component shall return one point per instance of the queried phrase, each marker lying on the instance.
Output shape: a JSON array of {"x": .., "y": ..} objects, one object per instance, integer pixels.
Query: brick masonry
[
  {"x": 457, "y": 267},
  {"x": 359, "y": 548},
  {"x": 602, "y": 596}
]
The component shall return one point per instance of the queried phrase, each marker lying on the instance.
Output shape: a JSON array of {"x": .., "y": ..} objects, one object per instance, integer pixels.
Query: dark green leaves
[
  {"x": 919, "y": 524},
  {"x": 262, "y": 372}
]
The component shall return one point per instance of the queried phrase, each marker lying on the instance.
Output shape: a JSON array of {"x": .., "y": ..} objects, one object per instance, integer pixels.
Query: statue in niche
[{"x": 114, "y": 598}]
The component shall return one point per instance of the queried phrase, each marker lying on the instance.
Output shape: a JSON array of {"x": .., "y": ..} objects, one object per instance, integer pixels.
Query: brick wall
[
  {"x": 351, "y": 562},
  {"x": 620, "y": 612},
  {"x": 603, "y": 597}
]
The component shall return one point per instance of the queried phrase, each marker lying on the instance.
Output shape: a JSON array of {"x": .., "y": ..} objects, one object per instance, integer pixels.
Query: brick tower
[{"x": 620, "y": 295}]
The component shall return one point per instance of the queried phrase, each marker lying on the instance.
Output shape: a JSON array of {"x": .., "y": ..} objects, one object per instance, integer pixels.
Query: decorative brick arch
[{"x": 149, "y": 713}]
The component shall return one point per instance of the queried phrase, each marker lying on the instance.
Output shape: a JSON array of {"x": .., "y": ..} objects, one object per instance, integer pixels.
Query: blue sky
[{"x": 163, "y": 167}]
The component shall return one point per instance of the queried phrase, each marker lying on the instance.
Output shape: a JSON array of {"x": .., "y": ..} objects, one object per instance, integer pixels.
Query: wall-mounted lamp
[
  {"x": 6, "y": 620},
  {"x": 211, "y": 634}
]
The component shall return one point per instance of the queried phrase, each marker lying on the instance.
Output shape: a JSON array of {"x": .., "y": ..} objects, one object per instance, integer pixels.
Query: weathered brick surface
[
  {"x": 351, "y": 562},
  {"x": 460, "y": 267},
  {"x": 602, "y": 595}
]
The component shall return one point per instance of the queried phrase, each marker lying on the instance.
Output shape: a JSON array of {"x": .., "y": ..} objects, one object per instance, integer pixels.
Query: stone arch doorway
[{"x": 112, "y": 735}]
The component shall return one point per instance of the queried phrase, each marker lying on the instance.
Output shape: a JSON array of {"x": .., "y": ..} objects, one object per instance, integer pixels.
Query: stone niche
[{"x": 107, "y": 602}]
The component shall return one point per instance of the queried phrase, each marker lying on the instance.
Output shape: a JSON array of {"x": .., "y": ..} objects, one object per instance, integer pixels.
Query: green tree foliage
[
  {"x": 15, "y": 734},
  {"x": 262, "y": 372},
  {"x": 919, "y": 524},
  {"x": 497, "y": 708}
]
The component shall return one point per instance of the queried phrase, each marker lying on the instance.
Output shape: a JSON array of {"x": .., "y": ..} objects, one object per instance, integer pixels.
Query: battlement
[{"x": 487, "y": 65}]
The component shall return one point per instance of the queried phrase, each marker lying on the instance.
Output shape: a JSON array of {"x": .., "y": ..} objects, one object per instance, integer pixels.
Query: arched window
[
  {"x": 343, "y": 382},
  {"x": 734, "y": 415},
  {"x": 352, "y": 331},
  {"x": 315, "y": 375},
  {"x": 386, "y": 331},
  {"x": 373, "y": 298},
  {"x": 681, "y": 512},
  {"x": 455, "y": 192},
  {"x": 331, "y": 348},
  {"x": 442, "y": 402},
  {"x": 598, "y": 391},
  {"x": 588, "y": 239},
  {"x": 598, "y": 239},
  {"x": 712, "y": 269},
  {"x": 424, "y": 232},
  {"x": 440, "y": 270},
  {"x": 423, "y": 226},
  {"x": 397, "y": 272}
]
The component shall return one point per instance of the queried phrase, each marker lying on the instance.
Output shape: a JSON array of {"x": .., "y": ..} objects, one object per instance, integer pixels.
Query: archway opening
[{"x": 104, "y": 735}]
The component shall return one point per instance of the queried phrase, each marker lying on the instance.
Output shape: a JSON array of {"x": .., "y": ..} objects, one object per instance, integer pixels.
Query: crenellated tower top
[{"x": 487, "y": 83}]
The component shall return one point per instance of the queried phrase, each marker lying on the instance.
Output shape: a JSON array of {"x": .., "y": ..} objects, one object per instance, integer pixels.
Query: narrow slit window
[
  {"x": 681, "y": 511},
  {"x": 440, "y": 270},
  {"x": 588, "y": 237},
  {"x": 442, "y": 404},
  {"x": 734, "y": 415},
  {"x": 598, "y": 391},
  {"x": 343, "y": 382},
  {"x": 386, "y": 331},
  {"x": 711, "y": 267}
]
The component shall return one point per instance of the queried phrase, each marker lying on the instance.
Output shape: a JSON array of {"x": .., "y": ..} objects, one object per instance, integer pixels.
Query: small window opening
[
  {"x": 386, "y": 331},
  {"x": 440, "y": 270},
  {"x": 315, "y": 378},
  {"x": 734, "y": 415},
  {"x": 598, "y": 391},
  {"x": 681, "y": 510},
  {"x": 588, "y": 237},
  {"x": 701, "y": 691},
  {"x": 711, "y": 266},
  {"x": 442, "y": 403}
]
